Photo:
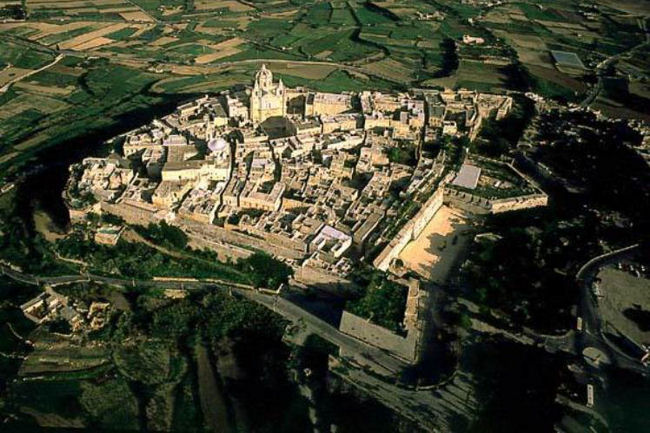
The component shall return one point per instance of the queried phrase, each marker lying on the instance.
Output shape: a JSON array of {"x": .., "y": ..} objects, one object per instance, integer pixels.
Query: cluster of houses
[{"x": 304, "y": 175}]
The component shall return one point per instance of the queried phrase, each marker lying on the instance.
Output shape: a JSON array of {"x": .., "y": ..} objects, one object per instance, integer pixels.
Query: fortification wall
[
  {"x": 479, "y": 205},
  {"x": 518, "y": 203},
  {"x": 394, "y": 247},
  {"x": 466, "y": 201},
  {"x": 78, "y": 215},
  {"x": 288, "y": 204},
  {"x": 362, "y": 329},
  {"x": 278, "y": 240},
  {"x": 427, "y": 212},
  {"x": 131, "y": 214},
  {"x": 224, "y": 251},
  {"x": 410, "y": 231},
  {"x": 204, "y": 235},
  {"x": 215, "y": 233},
  {"x": 312, "y": 276}
]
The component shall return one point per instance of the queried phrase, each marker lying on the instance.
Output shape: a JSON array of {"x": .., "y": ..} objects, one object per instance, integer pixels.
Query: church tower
[{"x": 268, "y": 99}]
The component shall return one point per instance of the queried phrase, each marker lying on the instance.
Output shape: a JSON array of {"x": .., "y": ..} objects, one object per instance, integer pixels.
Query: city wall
[
  {"x": 518, "y": 203},
  {"x": 461, "y": 200},
  {"x": 202, "y": 235},
  {"x": 479, "y": 205},
  {"x": 322, "y": 278},
  {"x": 224, "y": 251},
  {"x": 378, "y": 336},
  {"x": 131, "y": 214},
  {"x": 410, "y": 231},
  {"x": 212, "y": 233}
]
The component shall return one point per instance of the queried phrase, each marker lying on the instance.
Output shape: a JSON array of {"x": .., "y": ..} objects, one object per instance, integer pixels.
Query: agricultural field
[
  {"x": 179, "y": 47},
  {"x": 586, "y": 34},
  {"x": 157, "y": 364},
  {"x": 91, "y": 10},
  {"x": 69, "y": 98}
]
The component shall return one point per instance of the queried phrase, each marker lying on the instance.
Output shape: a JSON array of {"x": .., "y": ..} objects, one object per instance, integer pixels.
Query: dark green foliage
[
  {"x": 140, "y": 261},
  {"x": 224, "y": 316},
  {"x": 518, "y": 77},
  {"x": 516, "y": 274},
  {"x": 528, "y": 389},
  {"x": 599, "y": 158},
  {"x": 164, "y": 234},
  {"x": 383, "y": 301},
  {"x": 404, "y": 154},
  {"x": 265, "y": 271},
  {"x": 173, "y": 321},
  {"x": 107, "y": 218},
  {"x": 60, "y": 326},
  {"x": 13, "y": 12}
]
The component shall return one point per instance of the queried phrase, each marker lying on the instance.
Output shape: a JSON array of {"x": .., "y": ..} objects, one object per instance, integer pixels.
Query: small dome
[
  {"x": 264, "y": 77},
  {"x": 217, "y": 145}
]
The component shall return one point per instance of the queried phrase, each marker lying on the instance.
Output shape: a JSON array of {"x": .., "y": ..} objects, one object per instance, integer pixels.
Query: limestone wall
[
  {"x": 312, "y": 276},
  {"x": 378, "y": 336},
  {"x": 479, "y": 205},
  {"x": 410, "y": 231},
  {"x": 215, "y": 234},
  {"x": 203, "y": 235},
  {"x": 427, "y": 212},
  {"x": 131, "y": 214},
  {"x": 518, "y": 203},
  {"x": 224, "y": 251},
  {"x": 466, "y": 201}
]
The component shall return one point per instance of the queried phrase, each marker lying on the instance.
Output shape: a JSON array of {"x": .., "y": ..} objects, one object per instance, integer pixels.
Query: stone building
[{"x": 268, "y": 99}]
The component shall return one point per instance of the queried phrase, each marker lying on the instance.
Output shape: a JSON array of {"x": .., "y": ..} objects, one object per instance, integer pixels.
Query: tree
[{"x": 266, "y": 271}]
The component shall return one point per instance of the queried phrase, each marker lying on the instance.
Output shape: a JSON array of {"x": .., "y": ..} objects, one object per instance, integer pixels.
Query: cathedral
[{"x": 268, "y": 99}]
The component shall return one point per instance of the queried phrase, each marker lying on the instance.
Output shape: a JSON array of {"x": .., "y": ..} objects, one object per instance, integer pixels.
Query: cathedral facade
[{"x": 268, "y": 99}]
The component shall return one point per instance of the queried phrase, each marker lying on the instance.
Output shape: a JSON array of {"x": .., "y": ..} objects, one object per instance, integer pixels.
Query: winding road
[
  {"x": 370, "y": 355},
  {"x": 592, "y": 333},
  {"x": 602, "y": 66},
  {"x": 56, "y": 60}
]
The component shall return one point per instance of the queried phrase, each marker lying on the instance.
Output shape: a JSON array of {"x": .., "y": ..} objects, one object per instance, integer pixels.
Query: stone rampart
[
  {"x": 378, "y": 336},
  {"x": 410, "y": 231},
  {"x": 215, "y": 233}
]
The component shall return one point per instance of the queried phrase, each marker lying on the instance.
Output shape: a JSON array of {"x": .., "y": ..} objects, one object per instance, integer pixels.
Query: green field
[
  {"x": 19, "y": 56},
  {"x": 382, "y": 39}
]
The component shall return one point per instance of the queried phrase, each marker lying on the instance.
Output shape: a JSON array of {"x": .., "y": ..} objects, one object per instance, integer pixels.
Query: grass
[
  {"x": 104, "y": 93},
  {"x": 149, "y": 362},
  {"x": 342, "y": 16},
  {"x": 56, "y": 79},
  {"x": 535, "y": 13},
  {"x": 186, "y": 415},
  {"x": 111, "y": 404},
  {"x": 22, "y": 57},
  {"x": 122, "y": 34},
  {"x": 318, "y": 15},
  {"x": 369, "y": 16},
  {"x": 191, "y": 49}
]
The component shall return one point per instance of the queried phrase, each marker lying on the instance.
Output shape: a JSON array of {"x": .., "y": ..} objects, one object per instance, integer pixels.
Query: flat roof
[{"x": 468, "y": 176}]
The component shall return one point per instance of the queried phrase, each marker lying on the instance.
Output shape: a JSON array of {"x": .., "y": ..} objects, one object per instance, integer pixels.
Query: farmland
[
  {"x": 154, "y": 367},
  {"x": 121, "y": 56}
]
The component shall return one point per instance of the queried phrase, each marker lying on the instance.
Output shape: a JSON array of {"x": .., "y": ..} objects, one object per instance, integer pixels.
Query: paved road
[
  {"x": 317, "y": 326},
  {"x": 592, "y": 334},
  {"x": 370, "y": 354},
  {"x": 29, "y": 74},
  {"x": 601, "y": 67}
]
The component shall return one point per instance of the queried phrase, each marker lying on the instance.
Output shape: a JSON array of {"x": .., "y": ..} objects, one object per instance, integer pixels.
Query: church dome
[
  {"x": 264, "y": 77},
  {"x": 217, "y": 145}
]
